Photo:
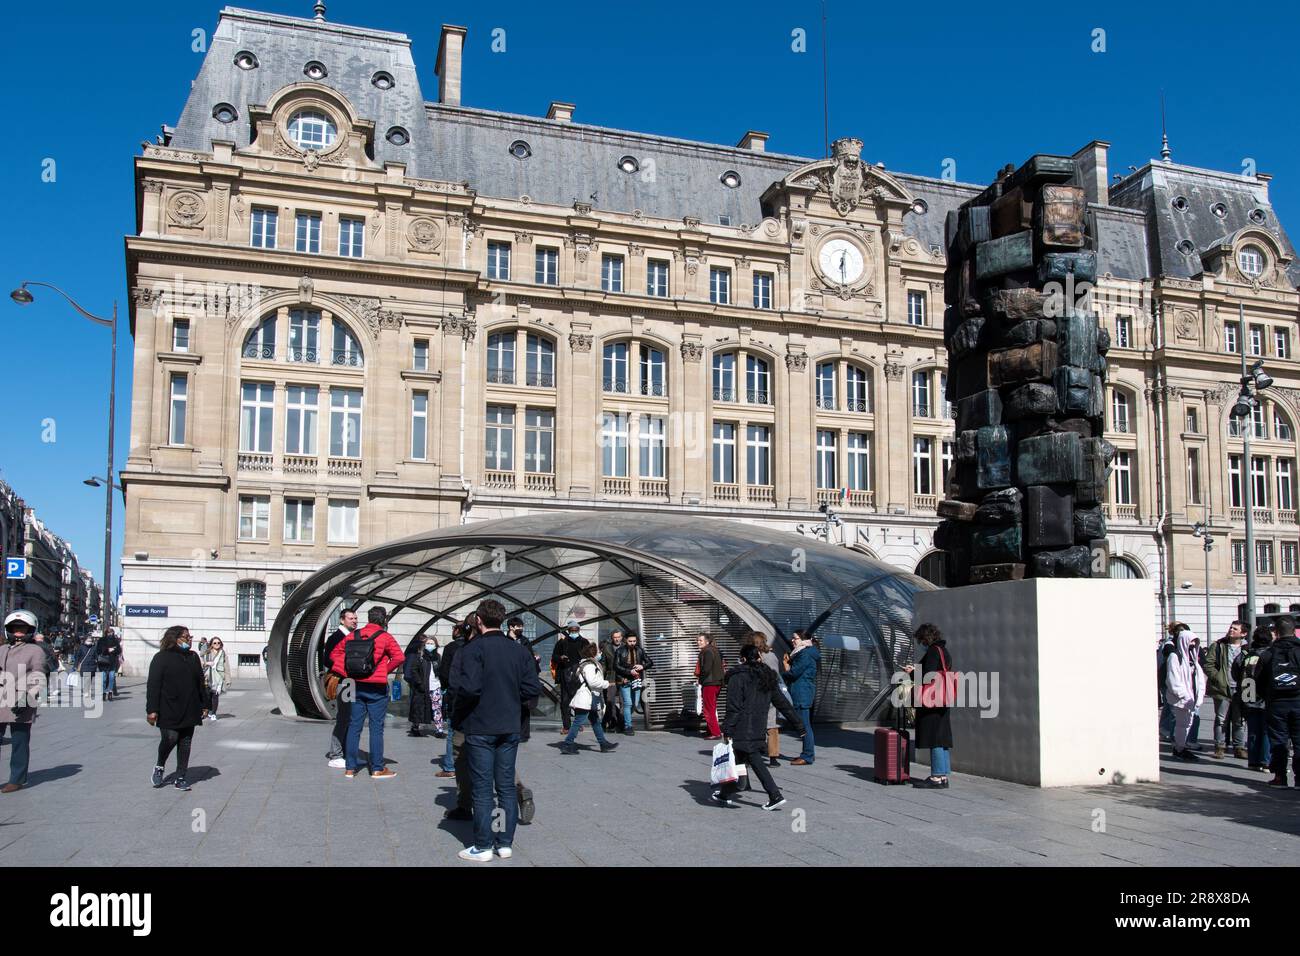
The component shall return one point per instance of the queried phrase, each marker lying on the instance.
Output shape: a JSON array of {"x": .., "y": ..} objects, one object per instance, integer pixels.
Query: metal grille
[{"x": 300, "y": 662}]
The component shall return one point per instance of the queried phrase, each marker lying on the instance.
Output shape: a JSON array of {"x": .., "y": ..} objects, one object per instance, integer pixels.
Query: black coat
[
  {"x": 933, "y": 726},
  {"x": 110, "y": 647},
  {"x": 494, "y": 679},
  {"x": 416, "y": 668},
  {"x": 566, "y": 653},
  {"x": 177, "y": 692},
  {"x": 444, "y": 677},
  {"x": 625, "y": 657},
  {"x": 751, "y": 690}
]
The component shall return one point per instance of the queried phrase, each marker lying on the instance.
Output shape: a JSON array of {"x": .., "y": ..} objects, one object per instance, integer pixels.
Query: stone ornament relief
[
  {"x": 186, "y": 208},
  {"x": 424, "y": 234}
]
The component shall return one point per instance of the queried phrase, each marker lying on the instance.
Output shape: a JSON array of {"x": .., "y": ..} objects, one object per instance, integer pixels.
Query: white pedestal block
[{"x": 1075, "y": 669}]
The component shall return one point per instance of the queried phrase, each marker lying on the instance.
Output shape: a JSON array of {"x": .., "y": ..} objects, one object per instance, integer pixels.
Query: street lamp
[
  {"x": 1207, "y": 542},
  {"x": 23, "y": 296},
  {"x": 1253, "y": 381}
]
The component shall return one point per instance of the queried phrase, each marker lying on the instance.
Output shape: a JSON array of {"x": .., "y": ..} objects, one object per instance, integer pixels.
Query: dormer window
[
  {"x": 246, "y": 60},
  {"x": 315, "y": 70},
  {"x": 312, "y": 129},
  {"x": 382, "y": 80},
  {"x": 1251, "y": 261}
]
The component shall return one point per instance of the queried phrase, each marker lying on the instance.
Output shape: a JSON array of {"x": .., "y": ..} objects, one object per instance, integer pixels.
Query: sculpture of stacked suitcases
[{"x": 1026, "y": 367}]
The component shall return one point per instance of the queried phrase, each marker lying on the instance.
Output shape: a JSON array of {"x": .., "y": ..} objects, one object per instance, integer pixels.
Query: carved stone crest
[
  {"x": 306, "y": 289},
  {"x": 580, "y": 341},
  {"x": 894, "y": 371},
  {"x": 371, "y": 311},
  {"x": 462, "y": 324},
  {"x": 692, "y": 351},
  {"x": 796, "y": 361},
  {"x": 1185, "y": 325},
  {"x": 424, "y": 234},
  {"x": 186, "y": 208},
  {"x": 846, "y": 178}
]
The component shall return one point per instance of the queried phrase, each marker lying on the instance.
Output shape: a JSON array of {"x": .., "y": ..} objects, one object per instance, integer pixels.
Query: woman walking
[
  {"x": 933, "y": 725},
  {"x": 752, "y": 690},
  {"x": 175, "y": 701},
  {"x": 590, "y": 681},
  {"x": 217, "y": 669},
  {"x": 768, "y": 657}
]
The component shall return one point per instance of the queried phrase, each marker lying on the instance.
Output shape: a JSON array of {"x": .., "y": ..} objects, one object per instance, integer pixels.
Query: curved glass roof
[{"x": 600, "y": 568}]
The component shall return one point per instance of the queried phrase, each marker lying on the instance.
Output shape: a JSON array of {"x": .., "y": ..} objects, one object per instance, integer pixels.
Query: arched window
[
  {"x": 1119, "y": 412},
  {"x": 347, "y": 350},
  {"x": 260, "y": 342},
  {"x": 304, "y": 336},
  {"x": 501, "y": 358},
  {"x": 250, "y": 606},
  {"x": 1251, "y": 259},
  {"x": 1282, "y": 430},
  {"x": 1124, "y": 568},
  {"x": 312, "y": 129},
  {"x": 724, "y": 377},
  {"x": 654, "y": 371},
  {"x": 758, "y": 381},
  {"x": 826, "y": 386},
  {"x": 933, "y": 568},
  {"x": 616, "y": 375},
  {"x": 541, "y": 361}
]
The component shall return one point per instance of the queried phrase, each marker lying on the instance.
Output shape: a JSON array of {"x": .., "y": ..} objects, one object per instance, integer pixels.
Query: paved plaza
[{"x": 263, "y": 796}]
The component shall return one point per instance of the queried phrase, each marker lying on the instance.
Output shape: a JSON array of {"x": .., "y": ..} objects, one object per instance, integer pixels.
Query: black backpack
[
  {"x": 359, "y": 655},
  {"x": 573, "y": 674},
  {"x": 1286, "y": 673}
]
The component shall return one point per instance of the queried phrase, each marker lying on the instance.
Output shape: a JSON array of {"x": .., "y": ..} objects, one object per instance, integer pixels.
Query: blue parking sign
[{"x": 15, "y": 568}]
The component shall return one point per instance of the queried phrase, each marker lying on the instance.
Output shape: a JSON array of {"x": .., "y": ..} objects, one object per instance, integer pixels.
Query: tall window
[
  {"x": 499, "y": 438},
  {"x": 1239, "y": 557},
  {"x": 1235, "y": 490},
  {"x": 922, "y": 466},
  {"x": 347, "y": 350},
  {"x": 498, "y": 264},
  {"x": 859, "y": 461},
  {"x": 1230, "y": 337},
  {"x": 724, "y": 453},
  {"x": 343, "y": 520},
  {"x": 1257, "y": 340},
  {"x": 758, "y": 381},
  {"x": 1282, "y": 427},
  {"x": 611, "y": 273},
  {"x": 1281, "y": 343},
  {"x": 724, "y": 377},
  {"x": 1259, "y": 481},
  {"x": 540, "y": 361},
  {"x": 264, "y": 224},
  {"x": 420, "y": 357},
  {"x": 547, "y": 271},
  {"x": 1264, "y": 557},
  {"x": 656, "y": 280},
  {"x": 826, "y": 386},
  {"x": 1285, "y": 487},
  {"x": 181, "y": 335},
  {"x": 947, "y": 455},
  {"x": 762, "y": 290},
  {"x": 615, "y": 367},
  {"x": 304, "y": 336},
  {"x": 299, "y": 519},
  {"x": 1124, "y": 331},
  {"x": 260, "y": 342},
  {"x": 307, "y": 233},
  {"x": 419, "y": 426},
  {"x": 943, "y": 395},
  {"x": 653, "y": 448},
  {"x": 352, "y": 237},
  {"x": 254, "y": 517},
  {"x": 1118, "y": 411},
  {"x": 179, "y": 405},
  {"x": 501, "y": 358},
  {"x": 539, "y": 441},
  {"x": 1258, "y": 429},
  {"x": 1123, "y": 478},
  {"x": 654, "y": 371},
  {"x": 758, "y": 454},
  {"x": 1193, "y": 476},
  {"x": 719, "y": 285},
  {"x": 921, "y": 407},
  {"x": 1290, "y": 557},
  {"x": 1193, "y": 422},
  {"x": 826, "y": 459},
  {"x": 857, "y": 390},
  {"x": 915, "y": 308},
  {"x": 257, "y": 411},
  {"x": 300, "y": 403},
  {"x": 345, "y": 422},
  {"x": 613, "y": 444},
  {"x": 250, "y": 606}
]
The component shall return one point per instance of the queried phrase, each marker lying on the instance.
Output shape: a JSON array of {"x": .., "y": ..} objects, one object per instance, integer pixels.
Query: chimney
[
  {"x": 450, "y": 46},
  {"x": 753, "y": 140},
  {"x": 561, "y": 112},
  {"x": 1093, "y": 173}
]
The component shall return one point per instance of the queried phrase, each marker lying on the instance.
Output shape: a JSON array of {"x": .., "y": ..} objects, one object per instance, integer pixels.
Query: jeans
[
  {"x": 581, "y": 717},
  {"x": 809, "y": 752},
  {"x": 940, "y": 762},
  {"x": 108, "y": 682},
  {"x": 758, "y": 766},
  {"x": 372, "y": 703},
  {"x": 710, "y": 694},
  {"x": 339, "y": 733},
  {"x": 492, "y": 766},
  {"x": 1166, "y": 721},
  {"x": 179, "y": 740},
  {"x": 19, "y": 752},
  {"x": 1284, "y": 728},
  {"x": 631, "y": 699},
  {"x": 1258, "y": 749},
  {"x": 1227, "y": 712},
  {"x": 448, "y": 761}
]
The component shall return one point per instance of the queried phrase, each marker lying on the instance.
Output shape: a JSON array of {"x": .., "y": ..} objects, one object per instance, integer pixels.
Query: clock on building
[{"x": 840, "y": 261}]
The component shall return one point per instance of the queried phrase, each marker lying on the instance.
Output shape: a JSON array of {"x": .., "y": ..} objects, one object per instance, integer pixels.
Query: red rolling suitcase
[{"x": 893, "y": 753}]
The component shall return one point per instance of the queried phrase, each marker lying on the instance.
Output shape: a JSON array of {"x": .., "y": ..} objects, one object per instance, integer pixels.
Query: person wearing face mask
[
  {"x": 176, "y": 701},
  {"x": 566, "y": 653},
  {"x": 1184, "y": 688},
  {"x": 421, "y": 672},
  {"x": 26, "y": 671}
]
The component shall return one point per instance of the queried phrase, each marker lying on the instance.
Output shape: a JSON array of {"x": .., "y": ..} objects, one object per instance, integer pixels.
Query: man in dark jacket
[
  {"x": 709, "y": 672},
  {"x": 752, "y": 689},
  {"x": 343, "y": 716},
  {"x": 496, "y": 676},
  {"x": 1278, "y": 678},
  {"x": 613, "y": 703},
  {"x": 566, "y": 653}
]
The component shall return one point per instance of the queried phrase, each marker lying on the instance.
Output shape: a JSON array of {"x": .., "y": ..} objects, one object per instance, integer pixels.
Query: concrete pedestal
[{"x": 1075, "y": 699}]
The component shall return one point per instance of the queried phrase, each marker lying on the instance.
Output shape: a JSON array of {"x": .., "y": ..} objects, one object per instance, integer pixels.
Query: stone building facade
[{"x": 359, "y": 314}]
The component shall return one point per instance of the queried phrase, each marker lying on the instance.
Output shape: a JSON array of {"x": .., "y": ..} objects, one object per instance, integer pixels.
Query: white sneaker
[
  {"x": 338, "y": 763},
  {"x": 475, "y": 854},
  {"x": 505, "y": 852}
]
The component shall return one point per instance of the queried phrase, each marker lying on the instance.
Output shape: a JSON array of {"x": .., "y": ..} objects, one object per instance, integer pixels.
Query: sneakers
[
  {"x": 774, "y": 804},
  {"x": 800, "y": 762},
  {"x": 337, "y": 763},
  {"x": 505, "y": 852},
  {"x": 717, "y": 797},
  {"x": 384, "y": 774},
  {"x": 527, "y": 808},
  {"x": 475, "y": 854},
  {"x": 181, "y": 784},
  {"x": 568, "y": 748},
  {"x": 607, "y": 746},
  {"x": 349, "y": 774},
  {"x": 1185, "y": 755},
  {"x": 773, "y": 762},
  {"x": 157, "y": 777}
]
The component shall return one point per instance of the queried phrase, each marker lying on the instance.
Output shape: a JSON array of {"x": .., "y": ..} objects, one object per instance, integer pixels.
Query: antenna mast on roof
[
  {"x": 826, "y": 94},
  {"x": 319, "y": 10},
  {"x": 1166, "y": 153}
]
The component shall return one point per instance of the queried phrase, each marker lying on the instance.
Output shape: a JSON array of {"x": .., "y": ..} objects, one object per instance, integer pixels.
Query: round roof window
[
  {"x": 1179, "y": 203},
  {"x": 224, "y": 113},
  {"x": 245, "y": 60},
  {"x": 520, "y": 150},
  {"x": 315, "y": 70},
  {"x": 920, "y": 207},
  {"x": 1219, "y": 209},
  {"x": 1257, "y": 215},
  {"x": 382, "y": 80},
  {"x": 730, "y": 179},
  {"x": 629, "y": 164},
  {"x": 398, "y": 136}
]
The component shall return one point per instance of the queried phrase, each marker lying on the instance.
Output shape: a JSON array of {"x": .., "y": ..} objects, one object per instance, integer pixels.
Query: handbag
[
  {"x": 332, "y": 682},
  {"x": 724, "y": 764},
  {"x": 942, "y": 690}
]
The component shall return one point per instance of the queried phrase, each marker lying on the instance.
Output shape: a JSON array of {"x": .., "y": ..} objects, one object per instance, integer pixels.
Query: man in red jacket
[{"x": 368, "y": 686}]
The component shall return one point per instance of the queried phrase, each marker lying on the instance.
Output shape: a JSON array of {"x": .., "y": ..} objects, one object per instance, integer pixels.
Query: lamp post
[
  {"x": 1202, "y": 531},
  {"x": 22, "y": 296},
  {"x": 1253, "y": 381}
]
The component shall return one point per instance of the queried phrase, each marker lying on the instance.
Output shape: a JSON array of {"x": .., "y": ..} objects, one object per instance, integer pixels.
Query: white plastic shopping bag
[
  {"x": 699, "y": 700},
  {"x": 724, "y": 764}
]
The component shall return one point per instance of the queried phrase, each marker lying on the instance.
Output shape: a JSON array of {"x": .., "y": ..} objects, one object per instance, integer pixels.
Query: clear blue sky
[{"x": 983, "y": 85}]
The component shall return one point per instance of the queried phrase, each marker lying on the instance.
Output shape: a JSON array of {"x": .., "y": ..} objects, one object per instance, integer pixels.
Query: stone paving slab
[{"x": 263, "y": 796}]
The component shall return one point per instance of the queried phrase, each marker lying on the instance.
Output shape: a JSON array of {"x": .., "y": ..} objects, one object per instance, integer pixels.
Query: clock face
[{"x": 840, "y": 261}]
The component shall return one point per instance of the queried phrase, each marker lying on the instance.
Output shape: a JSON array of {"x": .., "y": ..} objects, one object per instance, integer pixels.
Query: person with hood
[
  {"x": 753, "y": 689},
  {"x": 591, "y": 684},
  {"x": 1278, "y": 674},
  {"x": 25, "y": 671},
  {"x": 370, "y": 700},
  {"x": 1220, "y": 659},
  {"x": 1245, "y": 674},
  {"x": 1184, "y": 687},
  {"x": 421, "y": 673},
  {"x": 566, "y": 652},
  {"x": 709, "y": 671},
  {"x": 176, "y": 701},
  {"x": 630, "y": 665},
  {"x": 799, "y": 669}
]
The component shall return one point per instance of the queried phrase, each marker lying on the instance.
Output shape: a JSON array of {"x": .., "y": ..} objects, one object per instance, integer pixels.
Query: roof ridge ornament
[{"x": 319, "y": 10}]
